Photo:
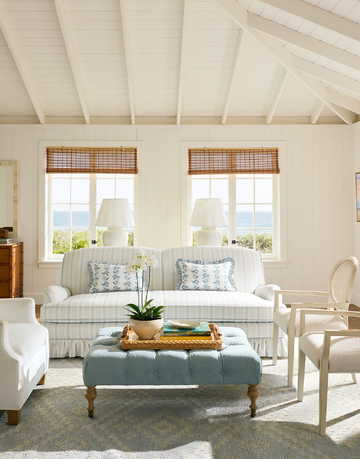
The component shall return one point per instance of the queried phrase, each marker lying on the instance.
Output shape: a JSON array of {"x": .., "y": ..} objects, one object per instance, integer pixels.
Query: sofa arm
[
  {"x": 18, "y": 310},
  {"x": 55, "y": 293},
  {"x": 267, "y": 292}
]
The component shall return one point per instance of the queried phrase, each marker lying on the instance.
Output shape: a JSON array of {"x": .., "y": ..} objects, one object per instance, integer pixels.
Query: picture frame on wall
[{"x": 357, "y": 189}]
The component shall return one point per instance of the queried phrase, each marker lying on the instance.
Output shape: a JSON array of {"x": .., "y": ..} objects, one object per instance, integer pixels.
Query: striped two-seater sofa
[{"x": 73, "y": 316}]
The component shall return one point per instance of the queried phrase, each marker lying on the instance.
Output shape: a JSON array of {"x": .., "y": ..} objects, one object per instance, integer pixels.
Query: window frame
[
  {"x": 45, "y": 258},
  {"x": 279, "y": 256}
]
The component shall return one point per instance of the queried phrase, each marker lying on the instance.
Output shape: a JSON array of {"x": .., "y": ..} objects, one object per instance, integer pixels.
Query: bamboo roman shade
[
  {"x": 233, "y": 161},
  {"x": 80, "y": 160}
]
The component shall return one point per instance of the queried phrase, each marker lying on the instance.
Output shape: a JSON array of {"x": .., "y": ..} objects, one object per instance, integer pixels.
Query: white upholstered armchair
[
  {"x": 338, "y": 297},
  {"x": 24, "y": 354}
]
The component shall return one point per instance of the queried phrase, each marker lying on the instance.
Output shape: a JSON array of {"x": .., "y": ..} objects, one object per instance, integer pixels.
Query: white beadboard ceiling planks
[
  {"x": 179, "y": 61},
  {"x": 21, "y": 64}
]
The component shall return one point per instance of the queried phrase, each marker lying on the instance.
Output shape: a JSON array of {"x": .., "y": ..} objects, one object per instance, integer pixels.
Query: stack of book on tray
[{"x": 200, "y": 331}]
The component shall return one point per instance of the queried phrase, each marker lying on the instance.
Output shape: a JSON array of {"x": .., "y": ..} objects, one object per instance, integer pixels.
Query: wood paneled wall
[{"x": 320, "y": 190}]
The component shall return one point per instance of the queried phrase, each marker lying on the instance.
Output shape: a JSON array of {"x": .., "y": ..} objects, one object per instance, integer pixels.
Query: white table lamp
[
  {"x": 208, "y": 213},
  {"x": 115, "y": 213}
]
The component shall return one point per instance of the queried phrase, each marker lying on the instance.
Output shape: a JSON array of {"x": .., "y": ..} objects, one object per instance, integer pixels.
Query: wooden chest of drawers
[{"x": 11, "y": 270}]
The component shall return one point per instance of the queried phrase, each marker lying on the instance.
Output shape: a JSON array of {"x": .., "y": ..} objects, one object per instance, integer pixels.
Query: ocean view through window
[{"x": 75, "y": 196}]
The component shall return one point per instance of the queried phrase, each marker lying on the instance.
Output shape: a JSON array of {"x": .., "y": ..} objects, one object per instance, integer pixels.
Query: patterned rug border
[{"x": 206, "y": 422}]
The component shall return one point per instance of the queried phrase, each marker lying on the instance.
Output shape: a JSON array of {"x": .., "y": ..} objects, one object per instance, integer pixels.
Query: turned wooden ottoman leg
[
  {"x": 13, "y": 417},
  {"x": 253, "y": 393},
  {"x": 91, "y": 395}
]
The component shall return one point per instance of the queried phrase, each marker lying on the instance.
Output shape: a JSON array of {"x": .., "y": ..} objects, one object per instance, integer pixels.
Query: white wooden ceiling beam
[
  {"x": 21, "y": 65},
  {"x": 317, "y": 112},
  {"x": 318, "y": 16},
  {"x": 324, "y": 74},
  {"x": 240, "y": 16},
  {"x": 344, "y": 101},
  {"x": 72, "y": 58},
  {"x": 182, "y": 61},
  {"x": 276, "y": 99},
  {"x": 303, "y": 41},
  {"x": 233, "y": 75},
  {"x": 128, "y": 60}
]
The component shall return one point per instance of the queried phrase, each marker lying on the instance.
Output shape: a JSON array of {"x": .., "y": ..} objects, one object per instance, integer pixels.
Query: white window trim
[
  {"x": 43, "y": 255},
  {"x": 278, "y": 259}
]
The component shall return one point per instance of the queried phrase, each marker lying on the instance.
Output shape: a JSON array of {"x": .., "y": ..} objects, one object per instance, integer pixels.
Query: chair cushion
[
  {"x": 344, "y": 352},
  {"x": 26, "y": 339},
  {"x": 313, "y": 322}
]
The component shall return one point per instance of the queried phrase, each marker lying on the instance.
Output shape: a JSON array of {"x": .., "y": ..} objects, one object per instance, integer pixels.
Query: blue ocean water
[{"x": 80, "y": 220}]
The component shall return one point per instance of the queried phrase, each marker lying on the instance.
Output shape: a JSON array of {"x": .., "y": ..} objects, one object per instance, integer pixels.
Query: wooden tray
[{"x": 130, "y": 340}]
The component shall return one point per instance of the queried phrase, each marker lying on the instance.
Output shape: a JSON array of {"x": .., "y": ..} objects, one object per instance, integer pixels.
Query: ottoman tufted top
[{"x": 108, "y": 364}]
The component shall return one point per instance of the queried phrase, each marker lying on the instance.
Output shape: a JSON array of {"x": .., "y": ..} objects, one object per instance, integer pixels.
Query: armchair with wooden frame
[
  {"x": 331, "y": 351},
  {"x": 288, "y": 319}
]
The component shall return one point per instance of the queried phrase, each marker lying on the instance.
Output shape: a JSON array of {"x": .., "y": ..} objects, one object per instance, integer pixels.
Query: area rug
[{"x": 207, "y": 422}]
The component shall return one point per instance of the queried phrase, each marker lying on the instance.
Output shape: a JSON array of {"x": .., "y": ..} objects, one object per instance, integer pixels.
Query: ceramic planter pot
[{"x": 146, "y": 329}]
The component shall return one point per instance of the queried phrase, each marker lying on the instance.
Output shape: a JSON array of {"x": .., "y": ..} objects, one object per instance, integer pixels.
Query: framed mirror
[{"x": 9, "y": 196}]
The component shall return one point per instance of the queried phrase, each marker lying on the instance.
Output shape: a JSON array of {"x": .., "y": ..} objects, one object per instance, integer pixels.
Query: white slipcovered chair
[
  {"x": 288, "y": 319},
  {"x": 331, "y": 351},
  {"x": 24, "y": 354}
]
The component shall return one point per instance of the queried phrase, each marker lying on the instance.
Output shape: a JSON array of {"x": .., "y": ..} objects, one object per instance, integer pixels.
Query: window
[
  {"x": 247, "y": 182},
  {"x": 77, "y": 180}
]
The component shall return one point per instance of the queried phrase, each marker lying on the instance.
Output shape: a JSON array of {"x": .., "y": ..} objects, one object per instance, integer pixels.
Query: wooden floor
[{"x": 37, "y": 312}]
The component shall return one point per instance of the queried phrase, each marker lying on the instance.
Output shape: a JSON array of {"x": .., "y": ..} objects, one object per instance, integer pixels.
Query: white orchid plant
[{"x": 143, "y": 310}]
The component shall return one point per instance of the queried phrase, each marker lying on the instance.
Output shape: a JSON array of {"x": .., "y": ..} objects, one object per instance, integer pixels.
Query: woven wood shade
[
  {"x": 233, "y": 161},
  {"x": 67, "y": 160}
]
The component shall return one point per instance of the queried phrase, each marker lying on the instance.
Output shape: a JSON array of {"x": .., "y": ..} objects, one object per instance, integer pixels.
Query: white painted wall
[
  {"x": 356, "y": 225},
  {"x": 320, "y": 190}
]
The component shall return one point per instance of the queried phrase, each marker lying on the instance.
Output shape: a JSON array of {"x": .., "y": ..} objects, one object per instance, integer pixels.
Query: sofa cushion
[
  {"x": 180, "y": 304},
  {"x": 111, "y": 277},
  {"x": 203, "y": 275}
]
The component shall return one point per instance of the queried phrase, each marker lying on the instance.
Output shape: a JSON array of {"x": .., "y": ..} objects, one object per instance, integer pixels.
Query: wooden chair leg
[
  {"x": 42, "y": 380},
  {"x": 13, "y": 417},
  {"x": 323, "y": 390},
  {"x": 354, "y": 378},
  {"x": 275, "y": 343},
  {"x": 291, "y": 349},
  {"x": 301, "y": 375}
]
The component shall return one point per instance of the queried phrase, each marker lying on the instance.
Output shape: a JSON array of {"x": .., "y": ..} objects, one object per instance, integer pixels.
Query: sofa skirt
[{"x": 74, "y": 340}]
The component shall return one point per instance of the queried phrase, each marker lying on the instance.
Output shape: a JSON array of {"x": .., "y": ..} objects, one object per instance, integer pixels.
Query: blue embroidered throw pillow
[
  {"x": 206, "y": 275},
  {"x": 111, "y": 277}
]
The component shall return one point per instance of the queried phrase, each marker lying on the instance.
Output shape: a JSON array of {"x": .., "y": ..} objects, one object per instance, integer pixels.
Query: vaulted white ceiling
[{"x": 179, "y": 61}]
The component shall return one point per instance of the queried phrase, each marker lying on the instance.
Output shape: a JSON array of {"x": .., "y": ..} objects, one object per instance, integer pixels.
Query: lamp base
[
  {"x": 115, "y": 236},
  {"x": 208, "y": 235}
]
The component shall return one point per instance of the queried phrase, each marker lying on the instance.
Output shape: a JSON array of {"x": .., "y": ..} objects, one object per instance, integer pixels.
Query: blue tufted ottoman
[{"x": 107, "y": 364}]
